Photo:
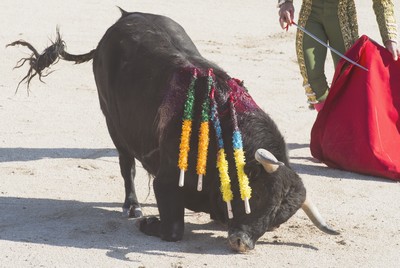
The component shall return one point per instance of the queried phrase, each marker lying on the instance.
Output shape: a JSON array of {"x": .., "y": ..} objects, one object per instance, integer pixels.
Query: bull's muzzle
[{"x": 240, "y": 242}]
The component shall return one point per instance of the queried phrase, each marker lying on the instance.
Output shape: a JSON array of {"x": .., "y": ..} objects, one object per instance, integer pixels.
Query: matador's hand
[
  {"x": 286, "y": 14},
  {"x": 392, "y": 47}
]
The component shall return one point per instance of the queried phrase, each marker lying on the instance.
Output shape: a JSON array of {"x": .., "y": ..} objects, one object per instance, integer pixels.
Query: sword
[{"x": 327, "y": 46}]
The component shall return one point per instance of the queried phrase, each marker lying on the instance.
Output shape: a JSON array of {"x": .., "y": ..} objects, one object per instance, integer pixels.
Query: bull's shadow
[
  {"x": 30, "y": 154},
  {"x": 68, "y": 223},
  {"x": 93, "y": 225}
]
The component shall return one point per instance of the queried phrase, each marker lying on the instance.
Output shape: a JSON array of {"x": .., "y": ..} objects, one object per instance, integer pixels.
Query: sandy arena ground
[{"x": 60, "y": 188}]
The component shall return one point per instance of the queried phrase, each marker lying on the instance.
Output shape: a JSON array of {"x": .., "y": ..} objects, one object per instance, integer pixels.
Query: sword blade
[{"x": 328, "y": 46}]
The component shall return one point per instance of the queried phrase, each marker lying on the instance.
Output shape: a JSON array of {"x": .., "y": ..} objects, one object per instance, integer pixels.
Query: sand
[{"x": 61, "y": 191}]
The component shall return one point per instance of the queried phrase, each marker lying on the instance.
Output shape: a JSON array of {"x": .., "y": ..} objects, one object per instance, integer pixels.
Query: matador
[{"x": 333, "y": 22}]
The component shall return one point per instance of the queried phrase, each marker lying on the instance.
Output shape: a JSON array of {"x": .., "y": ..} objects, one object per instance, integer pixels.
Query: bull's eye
[
  {"x": 254, "y": 172},
  {"x": 256, "y": 200}
]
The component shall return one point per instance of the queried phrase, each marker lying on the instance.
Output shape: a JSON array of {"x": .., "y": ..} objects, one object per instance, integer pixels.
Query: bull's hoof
[
  {"x": 132, "y": 212},
  {"x": 136, "y": 213}
]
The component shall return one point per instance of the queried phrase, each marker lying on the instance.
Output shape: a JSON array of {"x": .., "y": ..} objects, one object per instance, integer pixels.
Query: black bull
[{"x": 142, "y": 67}]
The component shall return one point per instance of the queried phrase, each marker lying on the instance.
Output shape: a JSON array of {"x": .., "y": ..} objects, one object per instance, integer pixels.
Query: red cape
[{"x": 358, "y": 127}]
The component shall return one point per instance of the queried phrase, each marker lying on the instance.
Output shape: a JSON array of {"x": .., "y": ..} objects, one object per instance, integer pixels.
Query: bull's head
[{"x": 277, "y": 193}]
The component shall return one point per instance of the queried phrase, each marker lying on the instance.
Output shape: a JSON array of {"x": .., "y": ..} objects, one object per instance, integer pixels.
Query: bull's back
[{"x": 132, "y": 65}]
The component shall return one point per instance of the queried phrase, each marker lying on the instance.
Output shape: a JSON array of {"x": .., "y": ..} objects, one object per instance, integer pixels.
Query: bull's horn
[
  {"x": 268, "y": 160},
  {"x": 312, "y": 212}
]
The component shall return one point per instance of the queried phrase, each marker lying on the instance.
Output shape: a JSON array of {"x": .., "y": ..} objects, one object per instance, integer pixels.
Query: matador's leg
[{"x": 320, "y": 18}]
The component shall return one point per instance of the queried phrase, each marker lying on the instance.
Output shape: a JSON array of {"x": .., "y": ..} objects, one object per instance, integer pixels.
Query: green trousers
[
  {"x": 334, "y": 22},
  {"x": 323, "y": 22}
]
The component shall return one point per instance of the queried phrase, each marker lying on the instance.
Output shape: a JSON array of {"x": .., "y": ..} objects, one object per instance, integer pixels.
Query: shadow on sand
[
  {"x": 30, "y": 154},
  {"x": 91, "y": 225}
]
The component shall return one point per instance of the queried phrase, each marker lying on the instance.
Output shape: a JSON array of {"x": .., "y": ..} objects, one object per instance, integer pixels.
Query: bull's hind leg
[{"x": 131, "y": 207}]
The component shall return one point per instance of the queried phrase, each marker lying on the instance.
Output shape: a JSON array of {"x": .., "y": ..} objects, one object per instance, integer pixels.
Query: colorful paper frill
[
  {"x": 184, "y": 146},
  {"x": 222, "y": 163},
  {"x": 240, "y": 160},
  {"x": 209, "y": 111},
  {"x": 204, "y": 138}
]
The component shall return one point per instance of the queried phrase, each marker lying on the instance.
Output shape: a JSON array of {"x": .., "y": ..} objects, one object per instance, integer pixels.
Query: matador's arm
[{"x": 384, "y": 11}]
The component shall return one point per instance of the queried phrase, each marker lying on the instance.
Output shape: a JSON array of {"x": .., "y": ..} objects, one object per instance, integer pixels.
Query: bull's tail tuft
[{"x": 39, "y": 63}]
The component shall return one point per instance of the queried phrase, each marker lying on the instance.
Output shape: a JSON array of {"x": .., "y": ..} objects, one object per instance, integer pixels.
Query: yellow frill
[
  {"x": 245, "y": 190},
  {"x": 184, "y": 146},
  {"x": 203, "y": 148},
  {"x": 222, "y": 165}
]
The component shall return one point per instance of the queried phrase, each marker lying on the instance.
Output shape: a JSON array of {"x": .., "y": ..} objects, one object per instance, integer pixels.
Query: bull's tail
[
  {"x": 40, "y": 63},
  {"x": 77, "y": 58}
]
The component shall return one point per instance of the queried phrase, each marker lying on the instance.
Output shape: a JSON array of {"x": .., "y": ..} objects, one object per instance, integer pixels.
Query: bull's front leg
[{"x": 170, "y": 202}]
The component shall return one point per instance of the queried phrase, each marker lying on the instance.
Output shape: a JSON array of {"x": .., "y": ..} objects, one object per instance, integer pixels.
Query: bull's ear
[{"x": 268, "y": 160}]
